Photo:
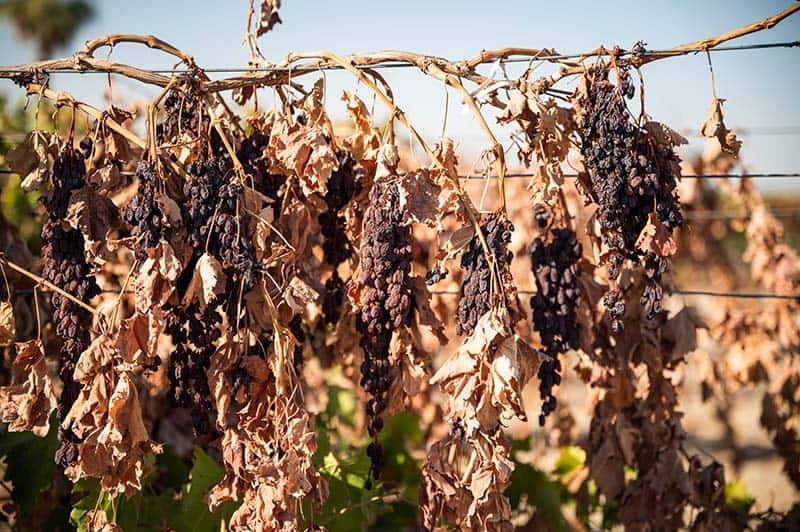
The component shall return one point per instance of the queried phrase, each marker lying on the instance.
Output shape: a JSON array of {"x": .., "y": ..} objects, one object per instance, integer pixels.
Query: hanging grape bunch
[
  {"x": 64, "y": 265},
  {"x": 631, "y": 177},
  {"x": 477, "y": 295},
  {"x": 387, "y": 300},
  {"x": 143, "y": 213},
  {"x": 554, "y": 260}
]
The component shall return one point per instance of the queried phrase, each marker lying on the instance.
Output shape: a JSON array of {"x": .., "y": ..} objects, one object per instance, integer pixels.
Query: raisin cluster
[
  {"x": 257, "y": 166},
  {"x": 476, "y": 296},
  {"x": 631, "y": 176},
  {"x": 554, "y": 262},
  {"x": 65, "y": 266},
  {"x": 193, "y": 332},
  {"x": 343, "y": 185},
  {"x": 214, "y": 225},
  {"x": 386, "y": 300},
  {"x": 143, "y": 213}
]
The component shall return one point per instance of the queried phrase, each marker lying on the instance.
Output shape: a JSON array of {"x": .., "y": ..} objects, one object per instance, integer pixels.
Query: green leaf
[
  {"x": 570, "y": 459},
  {"x": 30, "y": 464},
  {"x": 541, "y": 492},
  {"x": 737, "y": 497},
  {"x": 192, "y": 512},
  {"x": 342, "y": 403}
]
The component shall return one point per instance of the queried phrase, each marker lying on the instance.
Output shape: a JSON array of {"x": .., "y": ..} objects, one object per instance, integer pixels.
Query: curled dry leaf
[
  {"x": 33, "y": 158},
  {"x": 714, "y": 126},
  {"x": 107, "y": 416},
  {"x": 7, "y": 325},
  {"x": 485, "y": 377},
  {"x": 268, "y": 16},
  {"x": 208, "y": 281},
  {"x": 657, "y": 238},
  {"x": 463, "y": 481},
  {"x": 366, "y": 139},
  {"x": 26, "y": 403},
  {"x": 307, "y": 153},
  {"x": 94, "y": 215}
]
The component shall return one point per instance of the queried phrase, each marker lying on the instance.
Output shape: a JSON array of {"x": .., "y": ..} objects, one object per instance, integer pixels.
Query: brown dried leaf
[
  {"x": 117, "y": 147},
  {"x": 306, "y": 152},
  {"x": 92, "y": 214},
  {"x": 714, "y": 126},
  {"x": 106, "y": 178},
  {"x": 421, "y": 200},
  {"x": 268, "y": 16},
  {"x": 366, "y": 140},
  {"x": 32, "y": 159},
  {"x": 26, "y": 403},
  {"x": 207, "y": 282},
  {"x": 7, "y": 325},
  {"x": 665, "y": 135},
  {"x": 657, "y": 238}
]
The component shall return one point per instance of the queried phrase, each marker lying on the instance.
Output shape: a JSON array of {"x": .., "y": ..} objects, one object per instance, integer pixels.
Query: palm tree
[{"x": 49, "y": 23}]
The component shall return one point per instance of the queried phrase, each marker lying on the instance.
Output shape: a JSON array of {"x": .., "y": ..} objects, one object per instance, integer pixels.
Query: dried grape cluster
[
  {"x": 143, "y": 213},
  {"x": 213, "y": 226},
  {"x": 343, "y": 185},
  {"x": 257, "y": 166},
  {"x": 65, "y": 266},
  {"x": 202, "y": 194},
  {"x": 184, "y": 111},
  {"x": 193, "y": 332},
  {"x": 386, "y": 300},
  {"x": 476, "y": 296},
  {"x": 554, "y": 262},
  {"x": 631, "y": 176}
]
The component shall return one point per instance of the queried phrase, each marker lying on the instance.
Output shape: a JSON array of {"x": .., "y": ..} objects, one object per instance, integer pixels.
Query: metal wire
[
  {"x": 711, "y": 293},
  {"x": 387, "y": 65},
  {"x": 684, "y": 176},
  {"x": 573, "y": 176}
]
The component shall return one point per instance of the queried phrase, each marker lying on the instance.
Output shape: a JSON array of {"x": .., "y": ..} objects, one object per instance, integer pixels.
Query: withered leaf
[
  {"x": 32, "y": 159},
  {"x": 657, "y": 238},
  {"x": 92, "y": 214},
  {"x": 7, "y": 325},
  {"x": 665, "y": 135},
  {"x": 207, "y": 282},
  {"x": 306, "y": 152},
  {"x": 714, "y": 126},
  {"x": 106, "y": 178},
  {"x": 268, "y": 16},
  {"x": 26, "y": 403}
]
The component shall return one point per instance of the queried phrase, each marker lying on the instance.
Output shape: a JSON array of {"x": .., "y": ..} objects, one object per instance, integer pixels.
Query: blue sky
[{"x": 761, "y": 87}]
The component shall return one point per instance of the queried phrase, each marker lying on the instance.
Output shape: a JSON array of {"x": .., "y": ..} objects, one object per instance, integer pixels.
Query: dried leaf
[
  {"x": 268, "y": 16},
  {"x": 92, "y": 214},
  {"x": 306, "y": 152},
  {"x": 32, "y": 159},
  {"x": 714, "y": 126},
  {"x": 657, "y": 238},
  {"x": 207, "y": 282},
  {"x": 26, "y": 403},
  {"x": 7, "y": 325}
]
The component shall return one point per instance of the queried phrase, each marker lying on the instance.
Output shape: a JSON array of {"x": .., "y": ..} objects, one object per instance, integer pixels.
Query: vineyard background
[{"x": 761, "y": 109}]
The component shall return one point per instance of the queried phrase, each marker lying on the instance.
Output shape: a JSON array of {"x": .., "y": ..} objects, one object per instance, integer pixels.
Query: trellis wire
[
  {"x": 711, "y": 293},
  {"x": 789, "y": 175},
  {"x": 551, "y": 57}
]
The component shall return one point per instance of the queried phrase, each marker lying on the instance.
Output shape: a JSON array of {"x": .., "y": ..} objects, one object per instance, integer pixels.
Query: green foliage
[
  {"x": 192, "y": 512},
  {"x": 539, "y": 491},
  {"x": 157, "y": 507},
  {"x": 737, "y": 497},
  {"x": 49, "y": 23},
  {"x": 30, "y": 465}
]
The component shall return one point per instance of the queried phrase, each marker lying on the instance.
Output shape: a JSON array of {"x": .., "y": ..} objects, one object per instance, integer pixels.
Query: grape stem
[{"x": 50, "y": 286}]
